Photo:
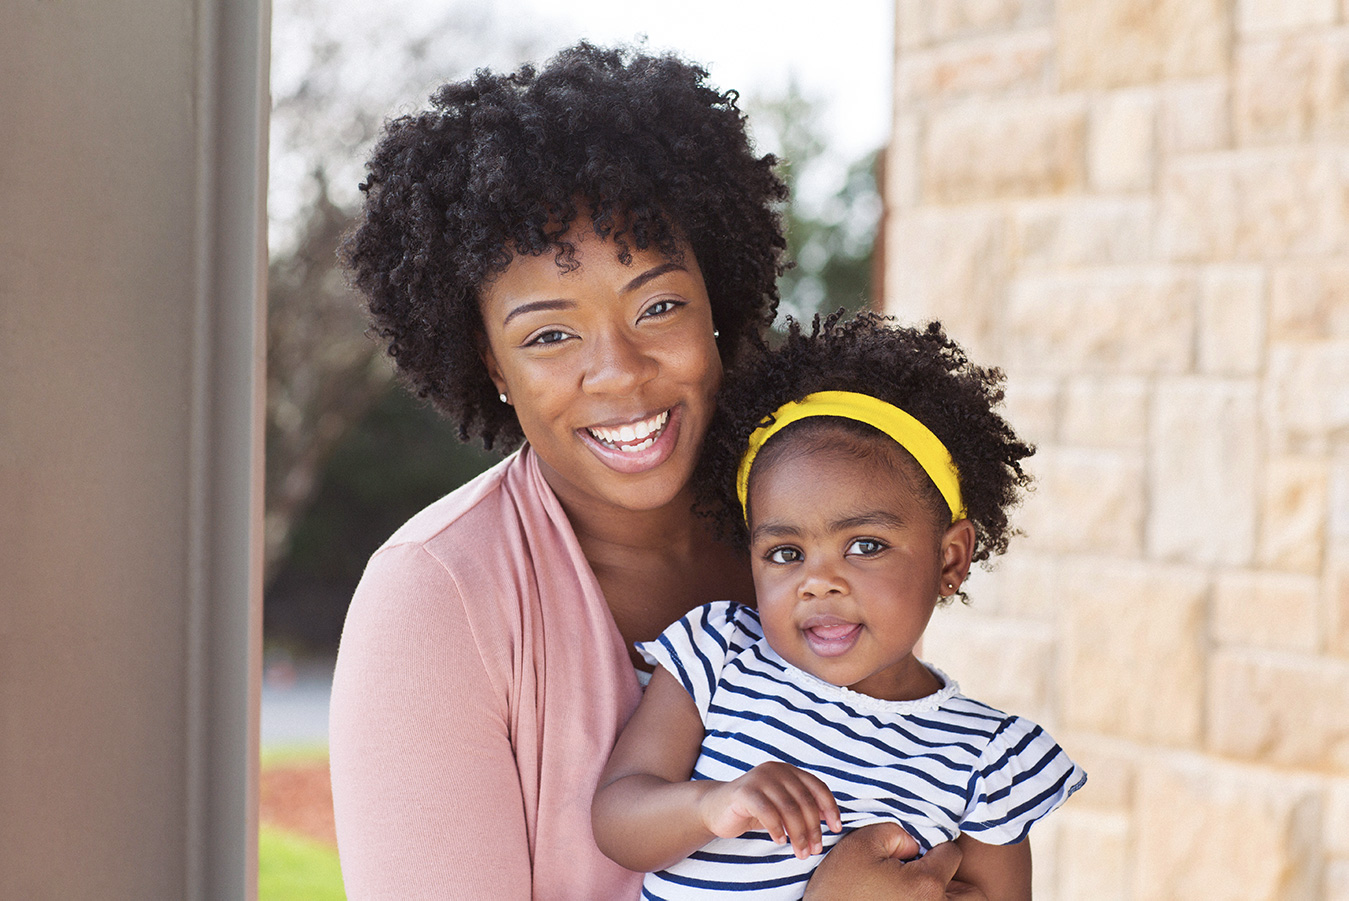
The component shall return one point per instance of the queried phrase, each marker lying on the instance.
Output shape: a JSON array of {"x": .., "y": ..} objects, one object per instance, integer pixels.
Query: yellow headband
[{"x": 908, "y": 432}]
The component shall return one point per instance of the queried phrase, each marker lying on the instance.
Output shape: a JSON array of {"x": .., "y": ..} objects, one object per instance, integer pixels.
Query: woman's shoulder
[{"x": 447, "y": 513}]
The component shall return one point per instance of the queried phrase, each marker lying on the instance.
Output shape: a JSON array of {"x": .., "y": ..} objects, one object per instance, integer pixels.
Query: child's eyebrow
[
  {"x": 872, "y": 518},
  {"x": 876, "y": 518}
]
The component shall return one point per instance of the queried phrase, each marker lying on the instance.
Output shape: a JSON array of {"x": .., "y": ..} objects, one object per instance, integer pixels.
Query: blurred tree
[{"x": 834, "y": 211}]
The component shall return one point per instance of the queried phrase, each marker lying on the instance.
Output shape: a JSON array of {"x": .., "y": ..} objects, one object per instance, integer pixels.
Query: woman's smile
[{"x": 636, "y": 446}]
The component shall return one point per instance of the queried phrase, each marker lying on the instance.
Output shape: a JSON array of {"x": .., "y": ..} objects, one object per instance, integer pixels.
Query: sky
[{"x": 840, "y": 55}]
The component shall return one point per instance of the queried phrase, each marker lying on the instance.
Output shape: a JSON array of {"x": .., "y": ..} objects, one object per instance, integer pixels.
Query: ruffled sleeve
[
  {"x": 1022, "y": 776},
  {"x": 697, "y": 647}
]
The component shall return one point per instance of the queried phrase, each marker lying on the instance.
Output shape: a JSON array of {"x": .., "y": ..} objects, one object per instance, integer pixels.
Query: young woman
[{"x": 567, "y": 257}]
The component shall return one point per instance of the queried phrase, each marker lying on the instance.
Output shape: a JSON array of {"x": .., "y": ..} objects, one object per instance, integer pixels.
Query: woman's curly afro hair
[
  {"x": 637, "y": 146},
  {"x": 919, "y": 370}
]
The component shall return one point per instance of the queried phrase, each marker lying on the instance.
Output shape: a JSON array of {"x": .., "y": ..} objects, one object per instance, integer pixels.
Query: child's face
[{"x": 848, "y": 566}]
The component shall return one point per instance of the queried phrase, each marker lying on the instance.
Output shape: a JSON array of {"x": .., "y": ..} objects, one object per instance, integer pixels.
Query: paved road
[{"x": 295, "y": 703}]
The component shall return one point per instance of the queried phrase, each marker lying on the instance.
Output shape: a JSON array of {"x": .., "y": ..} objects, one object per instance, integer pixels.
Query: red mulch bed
[{"x": 298, "y": 797}]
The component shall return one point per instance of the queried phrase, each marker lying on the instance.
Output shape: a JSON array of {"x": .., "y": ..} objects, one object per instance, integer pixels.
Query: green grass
[{"x": 294, "y": 868}]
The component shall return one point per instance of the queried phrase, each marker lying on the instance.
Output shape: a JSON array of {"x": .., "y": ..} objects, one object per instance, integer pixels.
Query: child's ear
[{"x": 957, "y": 550}]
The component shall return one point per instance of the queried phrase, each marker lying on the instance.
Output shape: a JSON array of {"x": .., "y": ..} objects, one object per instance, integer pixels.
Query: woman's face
[{"x": 612, "y": 369}]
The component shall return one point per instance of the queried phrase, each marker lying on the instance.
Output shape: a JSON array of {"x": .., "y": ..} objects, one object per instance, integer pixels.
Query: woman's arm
[
  {"x": 647, "y": 815},
  {"x": 425, "y": 787},
  {"x": 1002, "y": 872}
]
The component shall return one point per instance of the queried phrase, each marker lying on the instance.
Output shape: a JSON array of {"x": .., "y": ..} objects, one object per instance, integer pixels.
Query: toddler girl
[{"x": 865, "y": 468}]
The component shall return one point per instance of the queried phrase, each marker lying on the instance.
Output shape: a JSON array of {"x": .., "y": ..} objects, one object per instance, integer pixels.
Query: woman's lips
[
  {"x": 636, "y": 446},
  {"x": 830, "y": 636}
]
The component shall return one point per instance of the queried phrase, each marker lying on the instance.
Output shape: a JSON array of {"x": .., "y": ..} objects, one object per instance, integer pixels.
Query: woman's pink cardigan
[{"x": 480, "y": 686}]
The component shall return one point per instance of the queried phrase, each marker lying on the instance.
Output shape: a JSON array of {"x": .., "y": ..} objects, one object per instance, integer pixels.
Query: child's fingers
[
  {"x": 795, "y": 809},
  {"x": 825, "y": 802}
]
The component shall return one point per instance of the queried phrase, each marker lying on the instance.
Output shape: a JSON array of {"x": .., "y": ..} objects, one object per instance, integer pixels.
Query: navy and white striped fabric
[{"x": 938, "y": 766}]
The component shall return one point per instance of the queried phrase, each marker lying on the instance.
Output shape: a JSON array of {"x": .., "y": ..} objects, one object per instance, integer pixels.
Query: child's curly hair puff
[
  {"x": 637, "y": 146},
  {"x": 919, "y": 370}
]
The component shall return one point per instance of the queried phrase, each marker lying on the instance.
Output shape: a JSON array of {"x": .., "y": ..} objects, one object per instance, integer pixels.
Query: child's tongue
[{"x": 834, "y": 632}]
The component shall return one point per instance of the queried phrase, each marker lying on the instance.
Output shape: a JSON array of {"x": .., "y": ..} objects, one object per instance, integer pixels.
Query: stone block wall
[{"x": 1140, "y": 210}]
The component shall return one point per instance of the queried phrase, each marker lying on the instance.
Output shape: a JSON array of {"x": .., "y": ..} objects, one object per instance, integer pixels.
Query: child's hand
[{"x": 786, "y": 802}]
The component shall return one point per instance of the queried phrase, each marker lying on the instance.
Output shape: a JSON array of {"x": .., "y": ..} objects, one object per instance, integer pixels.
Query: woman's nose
[{"x": 618, "y": 365}]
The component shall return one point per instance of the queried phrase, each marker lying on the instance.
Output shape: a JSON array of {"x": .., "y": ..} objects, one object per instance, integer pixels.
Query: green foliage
[
  {"x": 294, "y": 868},
  {"x": 400, "y": 457},
  {"x": 831, "y": 229}
]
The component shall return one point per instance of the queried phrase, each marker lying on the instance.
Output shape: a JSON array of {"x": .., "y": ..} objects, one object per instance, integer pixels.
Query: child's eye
[
  {"x": 783, "y": 555},
  {"x": 661, "y": 308},
  {"x": 866, "y": 547}
]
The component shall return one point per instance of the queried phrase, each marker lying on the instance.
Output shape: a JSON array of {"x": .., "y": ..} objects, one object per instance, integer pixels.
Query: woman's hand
[
  {"x": 786, "y": 802},
  {"x": 869, "y": 863}
]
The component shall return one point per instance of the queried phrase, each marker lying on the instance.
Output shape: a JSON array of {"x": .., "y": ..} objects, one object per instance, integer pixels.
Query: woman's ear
[
  {"x": 489, "y": 360},
  {"x": 957, "y": 551}
]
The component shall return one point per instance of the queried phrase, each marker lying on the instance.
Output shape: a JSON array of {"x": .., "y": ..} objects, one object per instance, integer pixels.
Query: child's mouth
[{"x": 829, "y": 636}]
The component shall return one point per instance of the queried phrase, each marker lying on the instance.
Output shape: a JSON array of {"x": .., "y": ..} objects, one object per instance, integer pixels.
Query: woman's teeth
[{"x": 644, "y": 433}]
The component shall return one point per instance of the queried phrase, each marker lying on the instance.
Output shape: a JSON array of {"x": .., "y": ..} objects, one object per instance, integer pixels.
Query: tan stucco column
[{"x": 132, "y": 263}]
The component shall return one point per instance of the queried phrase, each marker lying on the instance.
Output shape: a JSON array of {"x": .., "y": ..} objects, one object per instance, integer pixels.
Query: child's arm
[
  {"x": 1002, "y": 872},
  {"x": 647, "y": 815}
]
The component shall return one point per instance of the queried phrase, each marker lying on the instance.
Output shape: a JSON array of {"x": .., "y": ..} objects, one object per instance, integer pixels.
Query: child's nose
[{"x": 821, "y": 580}]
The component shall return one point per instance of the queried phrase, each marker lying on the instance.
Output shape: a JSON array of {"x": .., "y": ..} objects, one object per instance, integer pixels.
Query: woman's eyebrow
[
  {"x": 654, "y": 272},
  {"x": 535, "y": 305}
]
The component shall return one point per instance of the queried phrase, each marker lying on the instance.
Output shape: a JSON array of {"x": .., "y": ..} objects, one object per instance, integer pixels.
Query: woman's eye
[
  {"x": 866, "y": 547},
  {"x": 783, "y": 555},
  {"x": 661, "y": 308},
  {"x": 552, "y": 336}
]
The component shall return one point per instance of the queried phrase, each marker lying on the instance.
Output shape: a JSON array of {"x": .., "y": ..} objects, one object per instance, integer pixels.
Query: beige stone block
[
  {"x": 1223, "y": 833},
  {"x": 913, "y": 24},
  {"x": 1109, "y": 43},
  {"x": 1132, "y": 651},
  {"x": 1280, "y": 709},
  {"x": 1020, "y": 64},
  {"x": 1121, "y": 150},
  {"x": 1116, "y": 322},
  {"x": 1254, "y": 206},
  {"x": 961, "y": 18},
  {"x": 1111, "y": 766},
  {"x": 1022, "y": 583},
  {"x": 1195, "y": 117},
  {"x": 1094, "y": 854},
  {"x": 1337, "y": 881},
  {"x": 1256, "y": 16},
  {"x": 1003, "y": 662},
  {"x": 901, "y": 164},
  {"x": 1337, "y": 603},
  {"x": 1306, "y": 398},
  {"x": 952, "y": 266},
  {"x": 1295, "y": 509},
  {"x": 1336, "y": 829},
  {"x": 1032, "y": 407},
  {"x": 1293, "y": 88},
  {"x": 1076, "y": 232},
  {"x": 1086, "y": 501},
  {"x": 1280, "y": 611},
  {"x": 1310, "y": 302},
  {"x": 1105, "y": 412},
  {"x": 995, "y": 151},
  {"x": 1232, "y": 315},
  {"x": 1204, "y": 469}
]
